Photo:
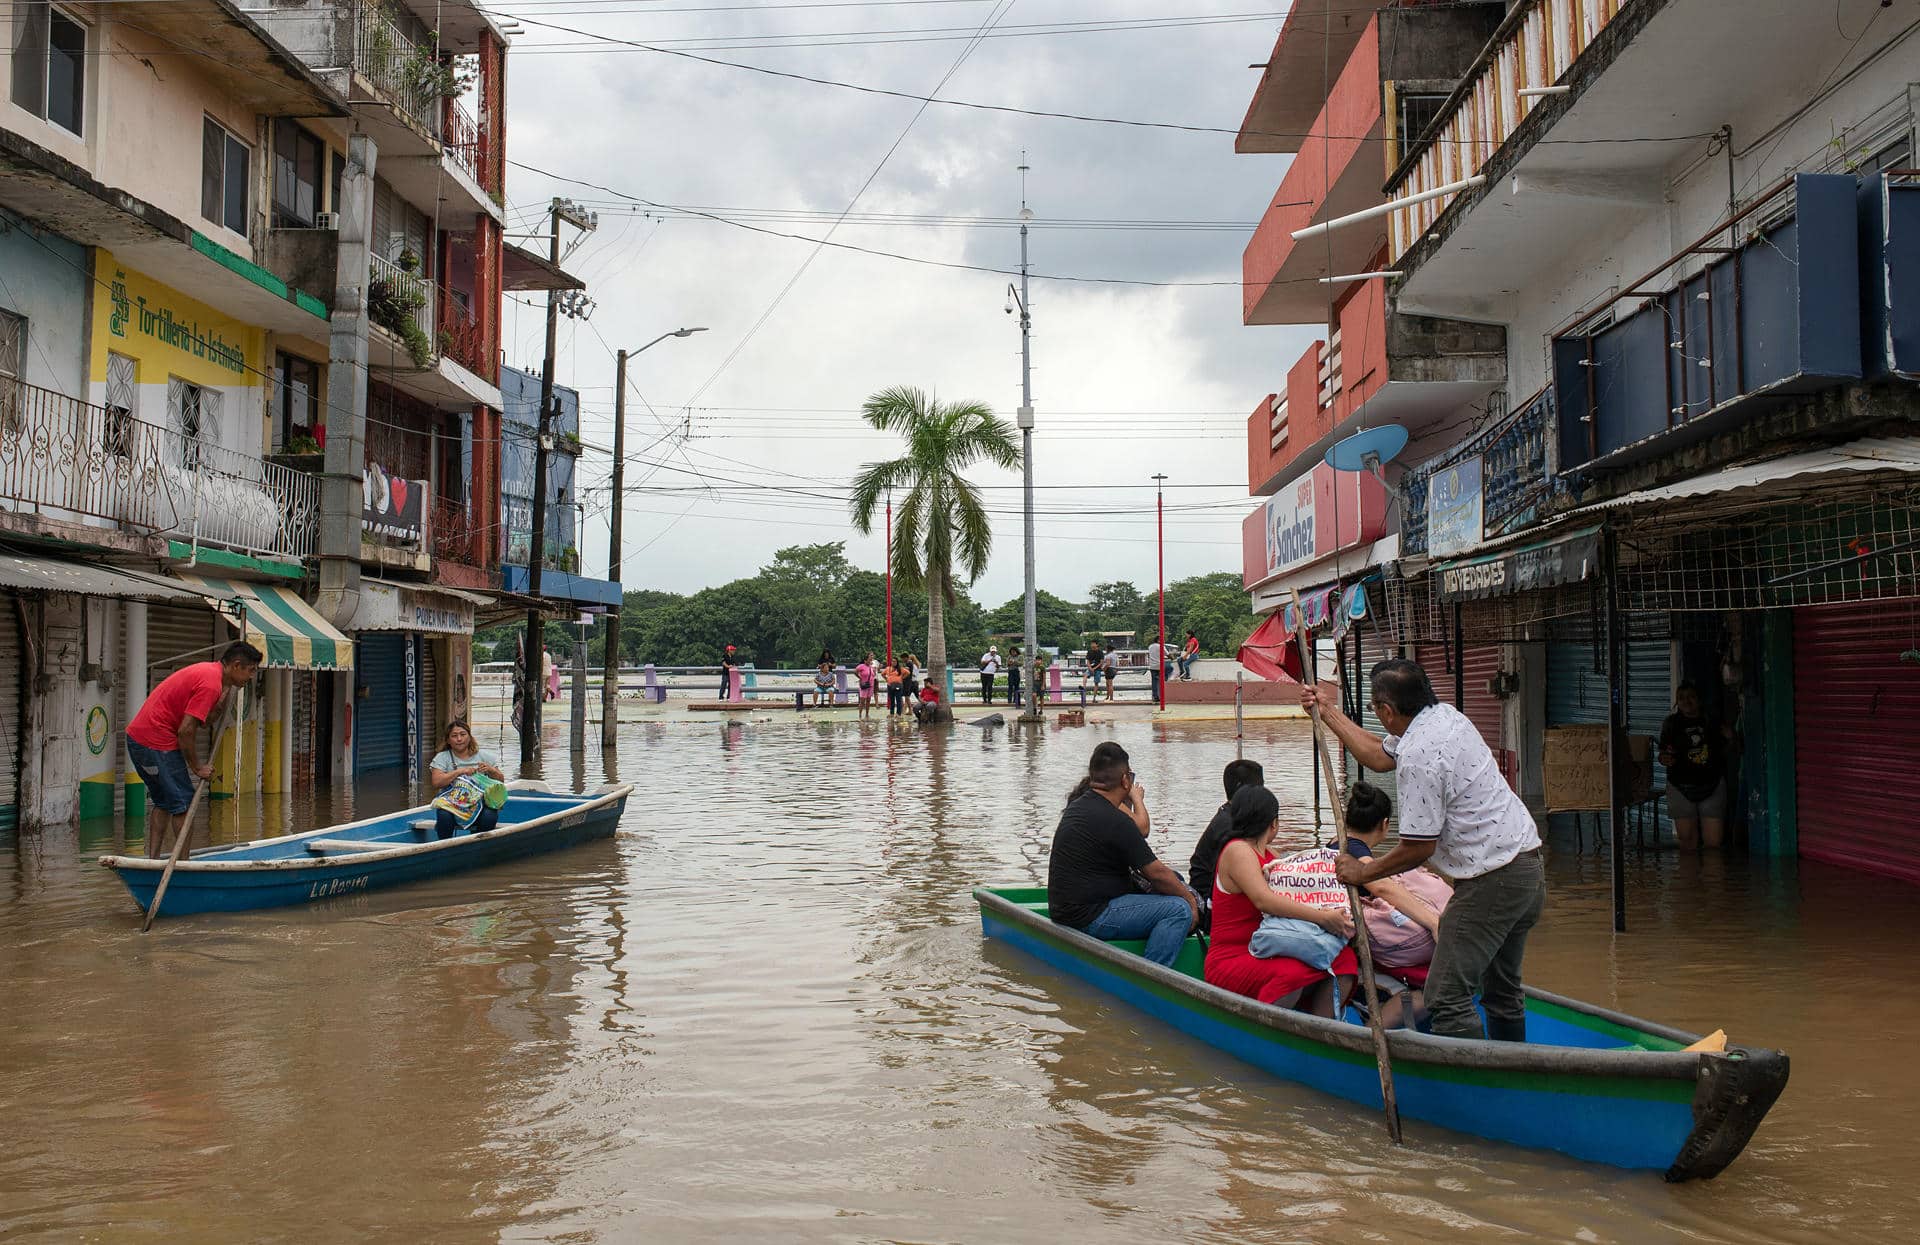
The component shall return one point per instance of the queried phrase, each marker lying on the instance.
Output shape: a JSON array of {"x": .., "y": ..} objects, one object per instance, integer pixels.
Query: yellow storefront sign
[{"x": 169, "y": 332}]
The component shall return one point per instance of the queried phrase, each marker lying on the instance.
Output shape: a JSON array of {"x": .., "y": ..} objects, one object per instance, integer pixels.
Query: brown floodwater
[{"x": 764, "y": 1011}]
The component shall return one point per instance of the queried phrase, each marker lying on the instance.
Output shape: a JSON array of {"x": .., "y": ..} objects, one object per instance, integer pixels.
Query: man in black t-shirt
[
  {"x": 1206, "y": 853},
  {"x": 1100, "y": 844},
  {"x": 1693, "y": 748}
]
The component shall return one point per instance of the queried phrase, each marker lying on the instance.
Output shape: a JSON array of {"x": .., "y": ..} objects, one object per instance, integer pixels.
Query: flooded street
[{"x": 765, "y": 1011}]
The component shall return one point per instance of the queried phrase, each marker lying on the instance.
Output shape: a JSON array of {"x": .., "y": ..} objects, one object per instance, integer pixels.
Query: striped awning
[{"x": 277, "y": 622}]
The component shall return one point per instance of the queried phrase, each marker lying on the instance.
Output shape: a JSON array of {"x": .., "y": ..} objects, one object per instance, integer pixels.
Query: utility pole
[
  {"x": 1031, "y": 648},
  {"x": 610, "y": 663},
  {"x": 610, "y": 660},
  {"x": 559, "y": 210}
]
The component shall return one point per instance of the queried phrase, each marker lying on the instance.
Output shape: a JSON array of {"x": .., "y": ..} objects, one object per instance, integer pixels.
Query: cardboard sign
[{"x": 1575, "y": 766}]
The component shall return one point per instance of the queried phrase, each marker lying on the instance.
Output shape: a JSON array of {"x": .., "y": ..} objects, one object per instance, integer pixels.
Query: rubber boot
[{"x": 1501, "y": 1030}]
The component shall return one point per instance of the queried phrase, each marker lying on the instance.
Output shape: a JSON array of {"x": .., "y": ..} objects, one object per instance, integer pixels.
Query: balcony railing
[
  {"x": 68, "y": 459},
  {"x": 399, "y": 67},
  {"x": 1512, "y": 477},
  {"x": 1772, "y": 310},
  {"x": 1535, "y": 46},
  {"x": 452, "y": 532},
  {"x": 397, "y": 294},
  {"x": 461, "y": 340},
  {"x": 238, "y": 501},
  {"x": 464, "y": 144}
]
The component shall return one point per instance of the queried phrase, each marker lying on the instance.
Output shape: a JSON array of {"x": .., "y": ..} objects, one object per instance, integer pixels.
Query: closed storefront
[
  {"x": 433, "y": 726},
  {"x": 1577, "y": 694},
  {"x": 380, "y": 702},
  {"x": 10, "y": 670},
  {"x": 178, "y": 636},
  {"x": 1481, "y": 707},
  {"x": 426, "y": 634},
  {"x": 1856, "y": 711}
]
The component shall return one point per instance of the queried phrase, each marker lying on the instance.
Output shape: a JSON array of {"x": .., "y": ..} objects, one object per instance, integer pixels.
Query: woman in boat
[
  {"x": 1241, "y": 896},
  {"x": 459, "y": 775}
]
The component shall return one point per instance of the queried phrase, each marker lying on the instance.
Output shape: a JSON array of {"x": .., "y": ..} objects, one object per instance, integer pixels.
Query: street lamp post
[
  {"x": 1160, "y": 512},
  {"x": 1031, "y": 635},
  {"x": 610, "y": 672}
]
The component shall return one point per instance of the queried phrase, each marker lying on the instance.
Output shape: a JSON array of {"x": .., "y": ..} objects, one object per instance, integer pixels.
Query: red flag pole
[
  {"x": 1160, "y": 508},
  {"x": 889, "y": 578}
]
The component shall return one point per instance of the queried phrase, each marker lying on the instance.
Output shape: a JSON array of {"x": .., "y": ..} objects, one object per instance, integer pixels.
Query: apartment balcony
[
  {"x": 407, "y": 345},
  {"x": 1563, "y": 169},
  {"x": 81, "y": 466},
  {"x": 1312, "y": 42},
  {"x": 1780, "y": 314},
  {"x": 404, "y": 90},
  {"x": 1376, "y": 366},
  {"x": 1330, "y": 177}
]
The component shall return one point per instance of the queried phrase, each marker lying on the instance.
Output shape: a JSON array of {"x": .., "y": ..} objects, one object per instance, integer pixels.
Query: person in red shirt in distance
[{"x": 160, "y": 739}]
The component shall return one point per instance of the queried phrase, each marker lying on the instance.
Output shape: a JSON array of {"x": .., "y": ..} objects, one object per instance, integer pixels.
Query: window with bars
[
  {"x": 1417, "y": 112},
  {"x": 225, "y": 165},
  {"x": 194, "y": 412},
  {"x": 123, "y": 399},
  {"x": 49, "y": 64},
  {"x": 13, "y": 362}
]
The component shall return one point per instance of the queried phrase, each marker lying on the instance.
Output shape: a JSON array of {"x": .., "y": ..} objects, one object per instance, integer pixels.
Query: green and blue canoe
[{"x": 1588, "y": 1082}]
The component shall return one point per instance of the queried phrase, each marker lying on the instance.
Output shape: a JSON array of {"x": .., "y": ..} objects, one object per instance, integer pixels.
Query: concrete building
[
  {"x": 251, "y": 265},
  {"x": 1691, "y": 276}
]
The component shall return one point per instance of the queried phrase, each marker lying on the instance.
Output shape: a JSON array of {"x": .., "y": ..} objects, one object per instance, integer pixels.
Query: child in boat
[
  {"x": 460, "y": 775},
  {"x": 1402, "y": 912},
  {"x": 1242, "y": 896}
]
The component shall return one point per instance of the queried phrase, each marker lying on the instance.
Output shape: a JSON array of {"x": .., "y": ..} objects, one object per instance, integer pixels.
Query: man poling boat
[{"x": 1458, "y": 812}]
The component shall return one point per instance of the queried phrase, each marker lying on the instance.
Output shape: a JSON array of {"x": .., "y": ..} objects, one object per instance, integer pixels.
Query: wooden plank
[{"x": 355, "y": 845}]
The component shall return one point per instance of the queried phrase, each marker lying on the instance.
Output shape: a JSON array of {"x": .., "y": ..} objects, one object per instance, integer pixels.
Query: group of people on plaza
[{"x": 1279, "y": 925}]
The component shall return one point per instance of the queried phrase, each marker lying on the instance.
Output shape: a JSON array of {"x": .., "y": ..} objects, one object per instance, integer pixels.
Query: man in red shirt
[{"x": 160, "y": 739}]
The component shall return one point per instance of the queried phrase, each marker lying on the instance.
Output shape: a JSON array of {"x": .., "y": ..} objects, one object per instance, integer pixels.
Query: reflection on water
[{"x": 765, "y": 1010}]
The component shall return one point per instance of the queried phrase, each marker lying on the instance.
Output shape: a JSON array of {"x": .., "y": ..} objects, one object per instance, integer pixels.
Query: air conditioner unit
[{"x": 326, "y": 220}]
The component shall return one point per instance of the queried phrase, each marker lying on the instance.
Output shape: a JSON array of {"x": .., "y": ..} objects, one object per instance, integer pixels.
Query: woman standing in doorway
[{"x": 1693, "y": 748}]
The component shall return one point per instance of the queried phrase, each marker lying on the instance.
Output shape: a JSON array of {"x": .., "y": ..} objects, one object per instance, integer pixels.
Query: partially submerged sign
[{"x": 1575, "y": 765}]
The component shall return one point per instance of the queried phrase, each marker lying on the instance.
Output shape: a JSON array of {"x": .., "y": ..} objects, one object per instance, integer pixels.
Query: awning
[
  {"x": 388, "y": 606},
  {"x": 1568, "y": 559},
  {"x": 277, "y": 622},
  {"x": 1811, "y": 469},
  {"x": 1348, "y": 564},
  {"x": 53, "y": 575},
  {"x": 1271, "y": 651},
  {"x": 525, "y": 270}
]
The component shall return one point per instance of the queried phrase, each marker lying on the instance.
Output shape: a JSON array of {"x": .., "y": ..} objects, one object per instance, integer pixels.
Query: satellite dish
[{"x": 1366, "y": 451}]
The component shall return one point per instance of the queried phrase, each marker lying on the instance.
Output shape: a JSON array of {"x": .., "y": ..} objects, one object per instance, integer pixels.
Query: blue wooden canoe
[
  {"x": 365, "y": 855},
  {"x": 1588, "y": 1082}
]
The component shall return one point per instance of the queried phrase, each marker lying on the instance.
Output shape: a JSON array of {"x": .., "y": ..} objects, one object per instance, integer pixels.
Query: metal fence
[
  {"x": 394, "y": 63},
  {"x": 67, "y": 458},
  {"x": 241, "y": 502}
]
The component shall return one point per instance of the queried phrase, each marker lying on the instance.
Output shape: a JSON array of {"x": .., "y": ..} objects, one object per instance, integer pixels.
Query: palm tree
[{"x": 940, "y": 529}]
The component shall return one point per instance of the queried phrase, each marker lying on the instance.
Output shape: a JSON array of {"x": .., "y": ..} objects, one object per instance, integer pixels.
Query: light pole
[
  {"x": 610, "y": 660},
  {"x": 1160, "y": 511},
  {"x": 1031, "y": 648}
]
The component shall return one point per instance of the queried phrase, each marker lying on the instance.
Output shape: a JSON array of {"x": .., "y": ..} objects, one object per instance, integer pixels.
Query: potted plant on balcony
[{"x": 395, "y": 307}]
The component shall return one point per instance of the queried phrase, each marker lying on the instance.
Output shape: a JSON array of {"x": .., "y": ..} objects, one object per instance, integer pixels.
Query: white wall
[{"x": 1593, "y": 268}]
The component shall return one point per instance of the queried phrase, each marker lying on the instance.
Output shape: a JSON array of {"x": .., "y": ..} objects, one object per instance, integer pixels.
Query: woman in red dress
[{"x": 1241, "y": 896}]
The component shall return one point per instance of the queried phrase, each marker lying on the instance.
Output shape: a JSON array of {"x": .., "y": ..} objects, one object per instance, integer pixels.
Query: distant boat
[
  {"x": 1588, "y": 1082},
  {"x": 367, "y": 855}
]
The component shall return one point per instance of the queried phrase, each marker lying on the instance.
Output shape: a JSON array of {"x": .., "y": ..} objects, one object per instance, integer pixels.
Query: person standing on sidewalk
[
  {"x": 1013, "y": 676},
  {"x": 1457, "y": 811},
  {"x": 989, "y": 666},
  {"x": 727, "y": 662}
]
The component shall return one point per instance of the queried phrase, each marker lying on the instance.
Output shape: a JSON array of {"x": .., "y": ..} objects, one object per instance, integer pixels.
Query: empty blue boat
[{"x": 365, "y": 855}]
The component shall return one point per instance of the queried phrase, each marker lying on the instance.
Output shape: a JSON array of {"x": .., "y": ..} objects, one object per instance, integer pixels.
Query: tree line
[{"x": 811, "y": 598}]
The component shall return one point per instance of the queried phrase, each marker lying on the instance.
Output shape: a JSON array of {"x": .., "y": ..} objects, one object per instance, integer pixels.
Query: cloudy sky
[{"x": 744, "y": 439}]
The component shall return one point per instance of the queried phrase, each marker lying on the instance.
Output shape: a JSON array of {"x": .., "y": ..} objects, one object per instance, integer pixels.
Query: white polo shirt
[{"x": 1451, "y": 790}]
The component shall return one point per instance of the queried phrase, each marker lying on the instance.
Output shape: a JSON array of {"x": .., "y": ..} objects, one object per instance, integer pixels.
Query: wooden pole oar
[
  {"x": 186, "y": 831},
  {"x": 1361, "y": 942}
]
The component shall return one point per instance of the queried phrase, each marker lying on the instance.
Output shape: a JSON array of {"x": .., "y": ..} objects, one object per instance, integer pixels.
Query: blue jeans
[{"x": 1160, "y": 919}]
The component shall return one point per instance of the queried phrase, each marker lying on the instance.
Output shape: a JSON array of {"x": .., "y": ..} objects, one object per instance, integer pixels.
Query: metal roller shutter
[
  {"x": 1577, "y": 693},
  {"x": 10, "y": 672},
  {"x": 177, "y": 637},
  {"x": 433, "y": 727},
  {"x": 1371, "y": 720},
  {"x": 1486, "y": 711},
  {"x": 380, "y": 702},
  {"x": 1856, "y": 725}
]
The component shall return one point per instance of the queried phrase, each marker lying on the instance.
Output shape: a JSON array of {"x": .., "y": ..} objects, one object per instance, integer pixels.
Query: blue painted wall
[
  {"x": 520, "y": 406},
  {"x": 44, "y": 278}
]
